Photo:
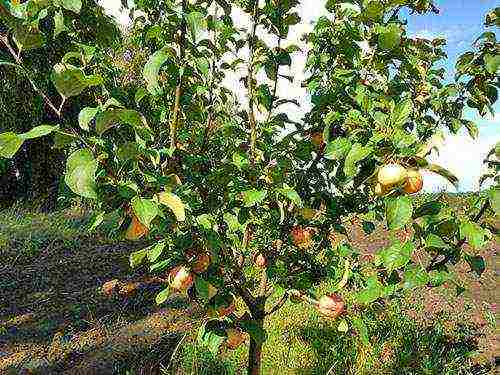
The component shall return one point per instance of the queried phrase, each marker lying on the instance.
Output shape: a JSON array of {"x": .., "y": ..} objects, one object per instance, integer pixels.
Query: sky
[{"x": 460, "y": 22}]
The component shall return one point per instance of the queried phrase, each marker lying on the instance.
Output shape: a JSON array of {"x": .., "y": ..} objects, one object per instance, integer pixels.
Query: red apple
[
  {"x": 201, "y": 263},
  {"x": 391, "y": 174},
  {"x": 331, "y": 305},
  {"x": 235, "y": 338},
  {"x": 302, "y": 237},
  {"x": 180, "y": 278},
  {"x": 414, "y": 182},
  {"x": 260, "y": 261}
]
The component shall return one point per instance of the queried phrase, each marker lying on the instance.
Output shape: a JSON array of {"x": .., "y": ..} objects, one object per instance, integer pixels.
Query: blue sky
[{"x": 460, "y": 22}]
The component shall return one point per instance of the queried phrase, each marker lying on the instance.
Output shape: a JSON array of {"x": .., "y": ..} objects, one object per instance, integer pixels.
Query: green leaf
[
  {"x": 395, "y": 256},
  {"x": 494, "y": 197},
  {"x": 443, "y": 173},
  {"x": 255, "y": 331},
  {"x": 162, "y": 296},
  {"x": 473, "y": 233},
  {"x": 401, "y": 113},
  {"x": 398, "y": 212},
  {"x": 492, "y": 63},
  {"x": 372, "y": 292},
  {"x": 173, "y": 202},
  {"x": 360, "y": 326},
  {"x": 438, "y": 278},
  {"x": 343, "y": 326},
  {"x": 9, "y": 144},
  {"x": 155, "y": 251},
  {"x": 72, "y": 5},
  {"x": 355, "y": 155},
  {"x": 471, "y": 128},
  {"x": 38, "y": 131},
  {"x": 434, "y": 241},
  {"x": 59, "y": 25},
  {"x": 240, "y": 159},
  {"x": 202, "y": 288},
  {"x": 85, "y": 116},
  {"x": 136, "y": 258},
  {"x": 153, "y": 66},
  {"x": 338, "y": 149},
  {"x": 196, "y": 24},
  {"x": 291, "y": 194},
  {"x": 71, "y": 81},
  {"x": 389, "y": 37},
  {"x": 28, "y": 38},
  {"x": 415, "y": 277},
  {"x": 211, "y": 335},
  {"x": 476, "y": 263},
  {"x": 146, "y": 210},
  {"x": 428, "y": 208},
  {"x": 253, "y": 197},
  {"x": 80, "y": 173},
  {"x": 139, "y": 95},
  {"x": 368, "y": 227}
]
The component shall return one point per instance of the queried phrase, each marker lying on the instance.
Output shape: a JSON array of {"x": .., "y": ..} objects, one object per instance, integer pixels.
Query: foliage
[{"x": 182, "y": 163}]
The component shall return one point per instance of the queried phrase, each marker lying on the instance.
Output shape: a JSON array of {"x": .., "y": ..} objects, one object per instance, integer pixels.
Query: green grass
[{"x": 301, "y": 342}]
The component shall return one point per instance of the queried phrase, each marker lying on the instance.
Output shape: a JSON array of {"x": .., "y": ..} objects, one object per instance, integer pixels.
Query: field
[{"x": 54, "y": 317}]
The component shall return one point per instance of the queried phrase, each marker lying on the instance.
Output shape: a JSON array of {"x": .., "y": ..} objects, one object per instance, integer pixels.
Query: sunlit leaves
[
  {"x": 86, "y": 116},
  {"x": 9, "y": 144},
  {"x": 473, "y": 233},
  {"x": 401, "y": 113},
  {"x": 146, "y": 210},
  {"x": 173, "y": 202},
  {"x": 253, "y": 197},
  {"x": 80, "y": 173},
  {"x": 153, "y": 66},
  {"x": 395, "y": 256},
  {"x": 338, "y": 149},
  {"x": 356, "y": 154},
  {"x": 389, "y": 36},
  {"x": 398, "y": 212},
  {"x": 71, "y": 81}
]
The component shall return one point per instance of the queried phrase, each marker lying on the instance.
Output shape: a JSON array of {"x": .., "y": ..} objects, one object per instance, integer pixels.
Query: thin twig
[
  {"x": 178, "y": 90},
  {"x": 175, "y": 351},
  {"x": 433, "y": 266},
  {"x": 17, "y": 58},
  {"x": 251, "y": 93}
]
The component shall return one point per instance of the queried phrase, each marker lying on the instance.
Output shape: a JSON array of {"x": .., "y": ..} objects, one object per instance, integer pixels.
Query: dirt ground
[{"x": 55, "y": 318}]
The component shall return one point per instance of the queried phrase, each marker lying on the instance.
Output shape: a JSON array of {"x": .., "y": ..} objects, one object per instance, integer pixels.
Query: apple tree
[{"x": 235, "y": 200}]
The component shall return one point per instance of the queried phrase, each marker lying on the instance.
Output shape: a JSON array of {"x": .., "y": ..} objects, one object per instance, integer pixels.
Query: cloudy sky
[{"x": 460, "y": 22}]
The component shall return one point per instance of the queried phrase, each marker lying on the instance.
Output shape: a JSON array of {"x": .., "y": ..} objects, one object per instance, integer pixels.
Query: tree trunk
[{"x": 255, "y": 353}]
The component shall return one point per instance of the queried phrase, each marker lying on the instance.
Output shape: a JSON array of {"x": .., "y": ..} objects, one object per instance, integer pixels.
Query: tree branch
[
  {"x": 433, "y": 265},
  {"x": 17, "y": 57},
  {"x": 250, "y": 83},
  {"x": 178, "y": 90}
]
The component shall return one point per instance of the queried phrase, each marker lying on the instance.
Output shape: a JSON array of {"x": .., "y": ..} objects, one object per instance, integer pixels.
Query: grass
[{"x": 405, "y": 338}]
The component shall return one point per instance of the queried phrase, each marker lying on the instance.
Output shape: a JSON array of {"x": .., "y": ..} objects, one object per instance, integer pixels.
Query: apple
[
  {"x": 180, "y": 278},
  {"x": 201, "y": 263},
  {"x": 380, "y": 190},
  {"x": 317, "y": 139},
  {"x": 223, "y": 311},
  {"x": 260, "y": 261},
  {"x": 391, "y": 174},
  {"x": 235, "y": 338},
  {"x": 414, "y": 182},
  {"x": 302, "y": 237},
  {"x": 331, "y": 305},
  {"x": 136, "y": 229}
]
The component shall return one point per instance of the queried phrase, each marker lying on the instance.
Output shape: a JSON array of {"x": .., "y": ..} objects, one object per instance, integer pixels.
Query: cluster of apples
[{"x": 393, "y": 175}]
